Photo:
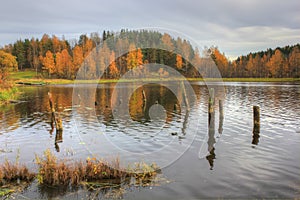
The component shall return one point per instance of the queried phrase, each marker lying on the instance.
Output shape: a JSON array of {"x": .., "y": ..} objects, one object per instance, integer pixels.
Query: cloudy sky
[{"x": 236, "y": 27}]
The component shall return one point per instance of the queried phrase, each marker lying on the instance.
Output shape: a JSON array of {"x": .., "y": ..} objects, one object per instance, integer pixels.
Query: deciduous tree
[
  {"x": 8, "y": 63},
  {"x": 48, "y": 63},
  {"x": 113, "y": 70}
]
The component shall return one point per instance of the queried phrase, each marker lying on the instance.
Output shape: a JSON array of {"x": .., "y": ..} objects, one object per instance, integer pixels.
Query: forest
[{"x": 54, "y": 57}]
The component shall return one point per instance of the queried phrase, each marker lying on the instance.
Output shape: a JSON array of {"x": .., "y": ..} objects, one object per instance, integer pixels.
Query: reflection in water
[
  {"x": 255, "y": 138},
  {"x": 221, "y": 117},
  {"x": 211, "y": 134},
  {"x": 148, "y": 95},
  {"x": 140, "y": 103},
  {"x": 211, "y": 158},
  {"x": 211, "y": 141},
  {"x": 106, "y": 189},
  {"x": 58, "y": 139}
]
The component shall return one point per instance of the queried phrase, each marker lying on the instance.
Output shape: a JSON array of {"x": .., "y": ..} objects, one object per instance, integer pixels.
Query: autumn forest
[{"x": 53, "y": 57}]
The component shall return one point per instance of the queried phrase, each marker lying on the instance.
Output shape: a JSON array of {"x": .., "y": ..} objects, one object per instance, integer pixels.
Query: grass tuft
[
  {"x": 55, "y": 172},
  {"x": 11, "y": 172},
  {"x": 7, "y": 94},
  {"x": 92, "y": 173}
]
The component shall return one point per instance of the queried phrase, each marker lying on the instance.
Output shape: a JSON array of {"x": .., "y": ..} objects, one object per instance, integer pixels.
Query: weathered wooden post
[
  {"x": 211, "y": 129},
  {"x": 52, "y": 110},
  {"x": 54, "y": 119},
  {"x": 144, "y": 100},
  {"x": 144, "y": 96},
  {"x": 211, "y": 103},
  {"x": 256, "y": 124},
  {"x": 176, "y": 107},
  {"x": 221, "y": 117},
  {"x": 256, "y": 119},
  {"x": 186, "y": 101}
]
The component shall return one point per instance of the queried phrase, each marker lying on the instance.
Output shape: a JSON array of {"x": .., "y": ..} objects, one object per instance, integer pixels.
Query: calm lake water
[{"x": 197, "y": 162}]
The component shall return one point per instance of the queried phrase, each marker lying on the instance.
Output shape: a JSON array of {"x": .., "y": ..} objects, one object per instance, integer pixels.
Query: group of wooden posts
[
  {"x": 211, "y": 117},
  {"x": 211, "y": 125},
  {"x": 56, "y": 119}
]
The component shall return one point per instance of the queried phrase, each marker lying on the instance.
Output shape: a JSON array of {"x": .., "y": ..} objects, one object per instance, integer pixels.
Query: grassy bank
[
  {"x": 29, "y": 77},
  {"x": 261, "y": 79}
]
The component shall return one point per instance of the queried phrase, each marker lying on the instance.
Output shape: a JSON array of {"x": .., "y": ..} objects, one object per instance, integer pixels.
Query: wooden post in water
[
  {"x": 211, "y": 129},
  {"x": 256, "y": 119},
  {"x": 211, "y": 103},
  {"x": 186, "y": 101},
  {"x": 52, "y": 110},
  {"x": 221, "y": 116},
  {"x": 54, "y": 118},
  {"x": 256, "y": 124},
  {"x": 144, "y": 96},
  {"x": 144, "y": 100}
]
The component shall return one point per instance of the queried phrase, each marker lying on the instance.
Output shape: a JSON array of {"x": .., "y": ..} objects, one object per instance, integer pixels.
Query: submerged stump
[
  {"x": 221, "y": 117},
  {"x": 256, "y": 119},
  {"x": 211, "y": 103},
  {"x": 184, "y": 94},
  {"x": 256, "y": 124},
  {"x": 55, "y": 118}
]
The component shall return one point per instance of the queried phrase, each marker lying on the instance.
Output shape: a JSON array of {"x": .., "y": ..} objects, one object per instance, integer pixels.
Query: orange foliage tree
[
  {"x": 178, "y": 61},
  {"x": 77, "y": 60},
  {"x": 48, "y": 63},
  {"x": 113, "y": 70},
  {"x": 8, "y": 63}
]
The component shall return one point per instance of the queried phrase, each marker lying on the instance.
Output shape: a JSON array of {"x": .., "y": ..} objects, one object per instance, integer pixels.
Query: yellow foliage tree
[
  {"x": 178, "y": 61},
  {"x": 77, "y": 59},
  {"x": 113, "y": 70},
  {"x": 139, "y": 57},
  {"x": 8, "y": 63},
  {"x": 63, "y": 63},
  {"x": 220, "y": 60},
  {"x": 131, "y": 57},
  {"x": 48, "y": 63},
  {"x": 276, "y": 64},
  {"x": 134, "y": 58}
]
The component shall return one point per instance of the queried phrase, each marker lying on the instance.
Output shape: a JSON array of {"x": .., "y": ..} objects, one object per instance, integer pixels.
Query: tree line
[
  {"x": 273, "y": 63},
  {"x": 52, "y": 57}
]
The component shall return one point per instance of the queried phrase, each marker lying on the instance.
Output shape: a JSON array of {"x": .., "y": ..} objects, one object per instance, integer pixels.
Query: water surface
[{"x": 227, "y": 162}]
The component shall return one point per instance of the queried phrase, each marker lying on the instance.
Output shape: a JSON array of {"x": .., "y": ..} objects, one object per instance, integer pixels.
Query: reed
[
  {"x": 56, "y": 172},
  {"x": 11, "y": 172}
]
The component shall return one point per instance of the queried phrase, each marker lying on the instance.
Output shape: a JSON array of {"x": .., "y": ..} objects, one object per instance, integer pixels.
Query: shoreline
[{"x": 41, "y": 82}]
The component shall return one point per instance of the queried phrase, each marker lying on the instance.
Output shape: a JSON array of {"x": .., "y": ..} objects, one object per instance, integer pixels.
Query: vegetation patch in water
[
  {"x": 7, "y": 94},
  {"x": 91, "y": 173},
  {"x": 56, "y": 172}
]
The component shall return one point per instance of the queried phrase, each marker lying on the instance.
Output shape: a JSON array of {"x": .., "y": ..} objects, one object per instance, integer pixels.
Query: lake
[{"x": 152, "y": 123}]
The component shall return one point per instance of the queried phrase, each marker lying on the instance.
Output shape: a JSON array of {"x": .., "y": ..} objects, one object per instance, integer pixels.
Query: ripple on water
[{"x": 236, "y": 169}]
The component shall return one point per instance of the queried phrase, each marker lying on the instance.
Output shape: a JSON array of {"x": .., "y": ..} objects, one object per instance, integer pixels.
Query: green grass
[
  {"x": 30, "y": 77},
  {"x": 261, "y": 79},
  {"x": 5, "y": 191},
  {"x": 8, "y": 94},
  {"x": 22, "y": 75}
]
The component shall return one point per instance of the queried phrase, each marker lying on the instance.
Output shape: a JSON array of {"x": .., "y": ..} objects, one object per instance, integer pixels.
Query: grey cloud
[{"x": 224, "y": 22}]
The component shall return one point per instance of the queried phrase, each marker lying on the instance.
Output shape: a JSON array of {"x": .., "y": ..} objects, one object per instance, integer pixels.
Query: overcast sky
[{"x": 236, "y": 27}]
